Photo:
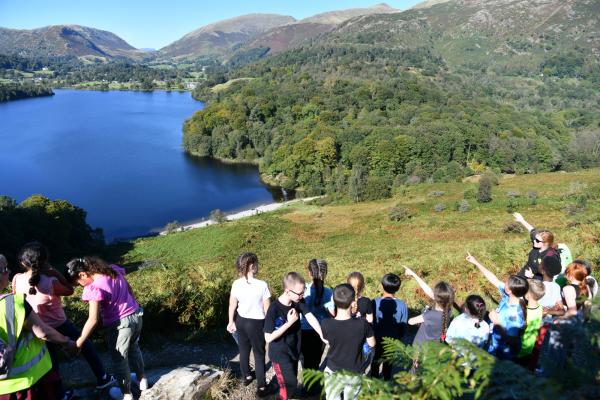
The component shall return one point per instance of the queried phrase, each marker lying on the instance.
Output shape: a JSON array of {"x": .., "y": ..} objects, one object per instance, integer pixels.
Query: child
[
  {"x": 319, "y": 300},
  {"x": 390, "y": 316},
  {"x": 575, "y": 292},
  {"x": 282, "y": 332},
  {"x": 470, "y": 324},
  {"x": 362, "y": 307},
  {"x": 44, "y": 287},
  {"x": 533, "y": 318},
  {"x": 508, "y": 319},
  {"x": 549, "y": 268},
  {"x": 110, "y": 296},
  {"x": 346, "y": 337},
  {"x": 433, "y": 322},
  {"x": 248, "y": 303}
]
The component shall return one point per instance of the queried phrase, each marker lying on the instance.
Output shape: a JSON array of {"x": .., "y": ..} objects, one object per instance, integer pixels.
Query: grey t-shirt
[{"x": 431, "y": 329}]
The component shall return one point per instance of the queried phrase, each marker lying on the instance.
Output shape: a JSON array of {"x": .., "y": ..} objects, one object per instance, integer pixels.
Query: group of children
[
  {"x": 110, "y": 300},
  {"x": 305, "y": 317}
]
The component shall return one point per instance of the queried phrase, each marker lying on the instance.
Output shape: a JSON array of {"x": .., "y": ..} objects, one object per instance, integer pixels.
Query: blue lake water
[{"x": 118, "y": 155}]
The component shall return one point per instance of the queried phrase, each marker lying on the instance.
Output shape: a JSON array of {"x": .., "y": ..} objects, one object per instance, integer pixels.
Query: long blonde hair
[{"x": 357, "y": 281}]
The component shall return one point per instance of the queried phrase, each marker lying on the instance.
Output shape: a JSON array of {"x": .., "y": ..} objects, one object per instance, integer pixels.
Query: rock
[{"x": 185, "y": 383}]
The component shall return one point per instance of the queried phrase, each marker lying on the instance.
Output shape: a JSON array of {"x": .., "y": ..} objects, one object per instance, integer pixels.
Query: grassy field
[{"x": 187, "y": 275}]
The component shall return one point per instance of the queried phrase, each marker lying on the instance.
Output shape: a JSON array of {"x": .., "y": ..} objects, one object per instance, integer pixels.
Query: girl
[
  {"x": 248, "y": 303},
  {"x": 434, "y": 322},
  {"x": 110, "y": 296},
  {"x": 319, "y": 300},
  {"x": 575, "y": 292},
  {"x": 44, "y": 287},
  {"x": 363, "y": 307},
  {"x": 470, "y": 324}
]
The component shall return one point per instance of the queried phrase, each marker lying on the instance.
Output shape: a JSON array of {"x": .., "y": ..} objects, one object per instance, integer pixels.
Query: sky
[{"x": 155, "y": 23}]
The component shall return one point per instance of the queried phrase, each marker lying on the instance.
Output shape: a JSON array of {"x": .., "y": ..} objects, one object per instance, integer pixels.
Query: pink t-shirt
[
  {"x": 116, "y": 301},
  {"x": 47, "y": 305}
]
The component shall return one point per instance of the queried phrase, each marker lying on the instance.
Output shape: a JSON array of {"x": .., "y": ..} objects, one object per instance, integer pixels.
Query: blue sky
[{"x": 153, "y": 23}]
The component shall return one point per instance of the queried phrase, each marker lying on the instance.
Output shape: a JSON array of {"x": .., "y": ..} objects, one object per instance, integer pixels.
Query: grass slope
[{"x": 187, "y": 275}]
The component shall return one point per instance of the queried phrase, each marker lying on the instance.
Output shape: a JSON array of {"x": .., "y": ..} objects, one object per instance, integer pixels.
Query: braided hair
[
  {"x": 475, "y": 307},
  {"x": 443, "y": 295},
  {"x": 357, "y": 281},
  {"x": 318, "y": 270},
  {"x": 34, "y": 257},
  {"x": 245, "y": 263}
]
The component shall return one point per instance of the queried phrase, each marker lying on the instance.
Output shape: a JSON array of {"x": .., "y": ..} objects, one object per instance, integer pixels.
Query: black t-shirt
[
  {"x": 287, "y": 345},
  {"x": 346, "y": 339},
  {"x": 364, "y": 307},
  {"x": 536, "y": 256}
]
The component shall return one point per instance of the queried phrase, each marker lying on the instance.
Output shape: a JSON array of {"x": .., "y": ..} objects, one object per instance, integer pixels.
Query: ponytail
[
  {"x": 318, "y": 270},
  {"x": 34, "y": 257},
  {"x": 244, "y": 262},
  {"x": 475, "y": 306},
  {"x": 357, "y": 281}
]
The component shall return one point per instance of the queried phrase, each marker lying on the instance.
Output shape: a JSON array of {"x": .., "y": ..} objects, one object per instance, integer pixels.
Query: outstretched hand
[
  {"x": 518, "y": 217},
  {"x": 471, "y": 259},
  {"x": 408, "y": 271}
]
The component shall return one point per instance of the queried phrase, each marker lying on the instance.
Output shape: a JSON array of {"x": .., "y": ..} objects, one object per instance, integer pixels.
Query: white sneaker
[
  {"x": 128, "y": 396},
  {"x": 143, "y": 384}
]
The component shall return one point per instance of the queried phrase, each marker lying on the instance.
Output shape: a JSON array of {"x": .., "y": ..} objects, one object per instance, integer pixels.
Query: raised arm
[
  {"x": 420, "y": 281},
  {"x": 519, "y": 218},
  {"x": 489, "y": 275}
]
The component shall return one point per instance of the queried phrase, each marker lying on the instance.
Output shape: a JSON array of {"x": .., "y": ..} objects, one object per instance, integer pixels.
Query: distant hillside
[
  {"x": 285, "y": 37},
  {"x": 215, "y": 39},
  {"x": 64, "y": 40},
  {"x": 429, "y": 3}
]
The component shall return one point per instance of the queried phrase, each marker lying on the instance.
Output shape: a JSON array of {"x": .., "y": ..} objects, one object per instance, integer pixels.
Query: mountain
[
  {"x": 217, "y": 38},
  {"x": 292, "y": 35},
  {"x": 64, "y": 40},
  {"x": 429, "y": 3}
]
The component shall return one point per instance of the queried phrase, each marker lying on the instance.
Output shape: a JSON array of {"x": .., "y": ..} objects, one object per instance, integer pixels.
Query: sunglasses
[{"x": 537, "y": 240}]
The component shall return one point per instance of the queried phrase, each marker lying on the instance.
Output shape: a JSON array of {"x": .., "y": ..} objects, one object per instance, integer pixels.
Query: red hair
[
  {"x": 548, "y": 237},
  {"x": 577, "y": 272}
]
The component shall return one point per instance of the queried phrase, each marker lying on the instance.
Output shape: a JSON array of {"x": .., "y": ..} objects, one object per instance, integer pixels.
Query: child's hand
[
  {"x": 471, "y": 259},
  {"x": 292, "y": 316},
  {"x": 231, "y": 327},
  {"x": 528, "y": 273},
  {"x": 408, "y": 271}
]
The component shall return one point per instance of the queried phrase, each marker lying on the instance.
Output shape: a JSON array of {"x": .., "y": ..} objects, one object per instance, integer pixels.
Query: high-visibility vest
[{"x": 32, "y": 360}]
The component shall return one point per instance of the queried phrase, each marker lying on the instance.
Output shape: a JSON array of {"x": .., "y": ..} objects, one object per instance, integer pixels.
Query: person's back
[
  {"x": 389, "y": 317},
  {"x": 506, "y": 333},
  {"x": 321, "y": 307},
  {"x": 250, "y": 294},
  {"x": 533, "y": 317},
  {"x": 44, "y": 302}
]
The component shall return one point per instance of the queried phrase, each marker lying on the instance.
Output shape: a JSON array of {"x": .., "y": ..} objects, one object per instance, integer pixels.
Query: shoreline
[{"x": 239, "y": 215}]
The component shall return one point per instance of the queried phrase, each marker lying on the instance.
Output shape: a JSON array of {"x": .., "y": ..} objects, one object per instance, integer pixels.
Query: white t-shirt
[
  {"x": 463, "y": 327},
  {"x": 551, "y": 296},
  {"x": 250, "y": 295}
]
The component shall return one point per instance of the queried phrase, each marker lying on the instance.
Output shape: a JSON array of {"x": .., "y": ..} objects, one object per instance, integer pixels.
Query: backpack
[
  {"x": 566, "y": 257},
  {"x": 8, "y": 349}
]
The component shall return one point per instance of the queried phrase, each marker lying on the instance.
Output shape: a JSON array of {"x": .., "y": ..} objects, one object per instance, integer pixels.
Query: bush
[
  {"x": 377, "y": 188},
  {"x": 494, "y": 179},
  {"x": 436, "y": 193},
  {"x": 513, "y": 227},
  {"x": 484, "y": 192},
  {"x": 513, "y": 194},
  {"x": 172, "y": 226},
  {"x": 439, "y": 207},
  {"x": 399, "y": 213},
  {"x": 462, "y": 206},
  {"x": 469, "y": 194},
  {"x": 218, "y": 216},
  {"x": 533, "y": 197}
]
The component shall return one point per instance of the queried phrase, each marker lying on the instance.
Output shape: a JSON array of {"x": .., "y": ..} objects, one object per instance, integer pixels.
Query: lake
[{"x": 118, "y": 155}]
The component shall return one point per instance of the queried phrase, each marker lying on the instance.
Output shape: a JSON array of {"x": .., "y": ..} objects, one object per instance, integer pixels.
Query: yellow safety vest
[{"x": 32, "y": 360}]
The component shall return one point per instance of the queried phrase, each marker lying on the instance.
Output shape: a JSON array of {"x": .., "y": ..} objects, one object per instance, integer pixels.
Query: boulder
[{"x": 185, "y": 383}]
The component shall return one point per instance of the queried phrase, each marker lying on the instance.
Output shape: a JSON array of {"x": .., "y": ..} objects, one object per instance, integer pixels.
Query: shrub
[
  {"x": 494, "y": 179},
  {"x": 399, "y": 213},
  {"x": 513, "y": 227},
  {"x": 484, "y": 192},
  {"x": 513, "y": 194},
  {"x": 436, "y": 193},
  {"x": 413, "y": 180},
  {"x": 469, "y": 194},
  {"x": 172, "y": 226},
  {"x": 462, "y": 206},
  {"x": 533, "y": 197},
  {"x": 377, "y": 188},
  {"x": 218, "y": 216},
  {"x": 439, "y": 207}
]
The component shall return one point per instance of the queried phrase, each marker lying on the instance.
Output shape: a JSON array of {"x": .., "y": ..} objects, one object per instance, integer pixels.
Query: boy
[
  {"x": 282, "y": 332},
  {"x": 534, "y": 319},
  {"x": 508, "y": 319},
  {"x": 346, "y": 337},
  {"x": 389, "y": 320},
  {"x": 549, "y": 268}
]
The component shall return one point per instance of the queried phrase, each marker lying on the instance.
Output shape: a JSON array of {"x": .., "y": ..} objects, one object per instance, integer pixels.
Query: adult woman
[
  {"x": 543, "y": 246},
  {"x": 248, "y": 303},
  {"x": 30, "y": 376}
]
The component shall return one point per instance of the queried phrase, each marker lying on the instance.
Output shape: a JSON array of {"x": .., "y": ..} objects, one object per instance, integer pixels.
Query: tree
[{"x": 484, "y": 192}]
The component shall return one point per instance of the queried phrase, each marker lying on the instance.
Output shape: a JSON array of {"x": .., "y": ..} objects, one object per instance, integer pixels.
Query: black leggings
[
  {"x": 312, "y": 348},
  {"x": 251, "y": 336}
]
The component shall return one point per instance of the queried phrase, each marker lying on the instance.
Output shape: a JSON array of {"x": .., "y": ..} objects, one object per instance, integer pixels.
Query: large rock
[{"x": 185, "y": 383}]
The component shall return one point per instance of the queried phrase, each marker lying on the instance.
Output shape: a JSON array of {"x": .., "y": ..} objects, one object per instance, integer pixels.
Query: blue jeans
[{"x": 88, "y": 351}]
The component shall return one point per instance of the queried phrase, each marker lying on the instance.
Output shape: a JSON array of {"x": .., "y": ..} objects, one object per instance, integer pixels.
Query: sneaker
[
  {"x": 143, "y": 384},
  {"x": 264, "y": 391},
  {"x": 247, "y": 380},
  {"x": 106, "y": 381},
  {"x": 128, "y": 396}
]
